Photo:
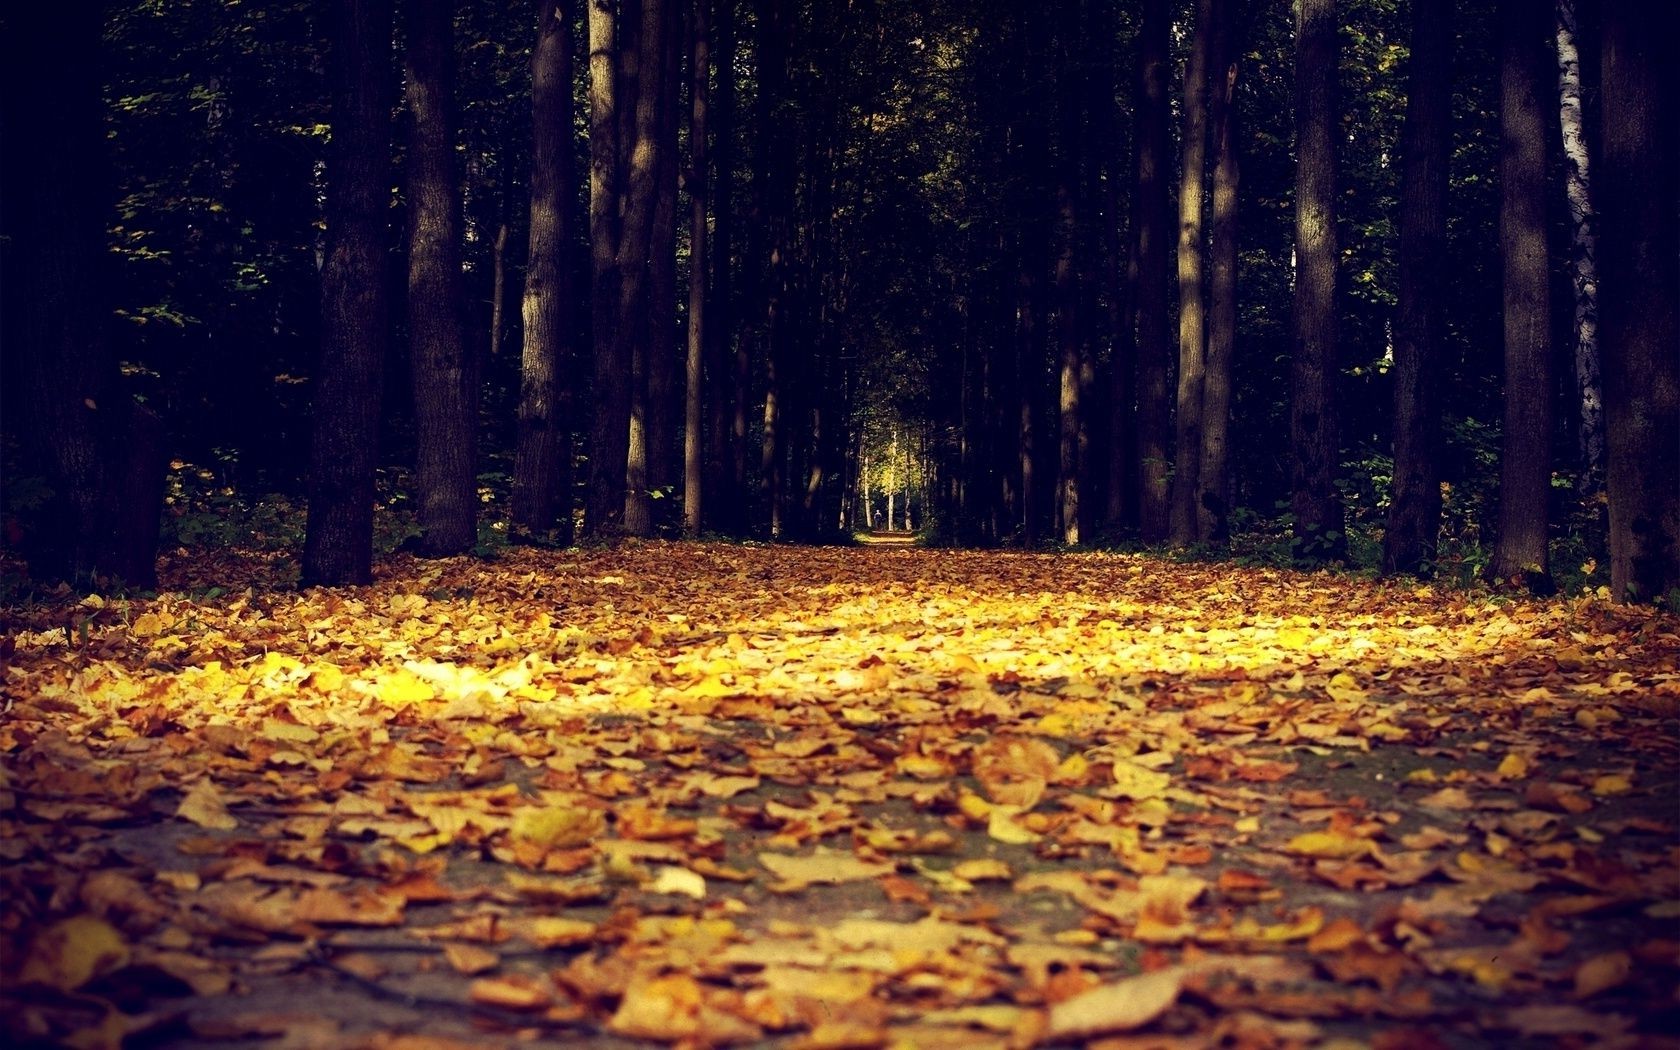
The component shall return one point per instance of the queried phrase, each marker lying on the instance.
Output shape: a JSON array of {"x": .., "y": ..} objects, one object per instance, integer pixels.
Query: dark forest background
[{"x": 1303, "y": 282}]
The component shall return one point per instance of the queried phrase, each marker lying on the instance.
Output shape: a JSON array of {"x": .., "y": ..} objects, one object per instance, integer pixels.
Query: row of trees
[{"x": 757, "y": 237}]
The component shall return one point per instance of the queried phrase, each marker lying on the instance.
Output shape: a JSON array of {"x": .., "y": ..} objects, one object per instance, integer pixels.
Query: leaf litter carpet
[{"x": 711, "y": 795}]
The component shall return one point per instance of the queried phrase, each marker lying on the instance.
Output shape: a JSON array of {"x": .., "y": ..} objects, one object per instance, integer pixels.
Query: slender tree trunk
[
  {"x": 699, "y": 336},
  {"x": 338, "y": 538},
  {"x": 1154, "y": 167},
  {"x": 1192, "y": 287},
  {"x": 100, "y": 452},
  {"x": 776, "y": 202},
  {"x": 1314, "y": 433},
  {"x": 723, "y": 494},
  {"x": 542, "y": 471},
  {"x": 498, "y": 287},
  {"x": 1525, "y": 465},
  {"x": 1639, "y": 252},
  {"x": 1214, "y": 483},
  {"x": 610, "y": 426},
  {"x": 444, "y": 379},
  {"x": 1069, "y": 335},
  {"x": 1583, "y": 268},
  {"x": 665, "y": 351},
  {"x": 1414, "y": 513},
  {"x": 636, "y": 312}
]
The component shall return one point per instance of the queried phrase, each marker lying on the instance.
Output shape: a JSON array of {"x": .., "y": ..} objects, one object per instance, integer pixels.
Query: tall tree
[
  {"x": 1314, "y": 431},
  {"x": 1583, "y": 268},
  {"x": 338, "y": 538},
  {"x": 1072, "y": 88},
  {"x": 542, "y": 469},
  {"x": 1414, "y": 512},
  {"x": 610, "y": 425},
  {"x": 1525, "y": 465},
  {"x": 1154, "y": 167},
  {"x": 1213, "y": 481},
  {"x": 1192, "y": 286},
  {"x": 1639, "y": 251},
  {"x": 774, "y": 178},
  {"x": 725, "y": 404},
  {"x": 699, "y": 336},
  {"x": 99, "y": 451},
  {"x": 445, "y": 378},
  {"x": 664, "y": 352}
]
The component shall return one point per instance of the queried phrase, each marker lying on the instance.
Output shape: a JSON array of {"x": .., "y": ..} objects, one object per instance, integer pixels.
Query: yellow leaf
[
  {"x": 1601, "y": 973},
  {"x": 470, "y": 959},
  {"x": 1611, "y": 784},
  {"x": 1329, "y": 845},
  {"x": 72, "y": 952},
  {"x": 1513, "y": 766},
  {"x": 1136, "y": 781},
  {"x": 558, "y": 827},
  {"x": 1118, "y": 1007},
  {"x": 513, "y": 992},
  {"x": 147, "y": 625},
  {"x": 203, "y": 806}
]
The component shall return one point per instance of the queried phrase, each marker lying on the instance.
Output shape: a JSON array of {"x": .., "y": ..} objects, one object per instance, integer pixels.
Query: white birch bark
[{"x": 1583, "y": 271}]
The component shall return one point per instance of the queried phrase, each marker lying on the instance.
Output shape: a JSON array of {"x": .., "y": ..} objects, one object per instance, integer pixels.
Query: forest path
[{"x": 708, "y": 794}]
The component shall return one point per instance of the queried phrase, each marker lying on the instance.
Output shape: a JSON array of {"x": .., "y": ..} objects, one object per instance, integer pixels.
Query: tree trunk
[
  {"x": 498, "y": 286},
  {"x": 1639, "y": 313},
  {"x": 1314, "y": 433},
  {"x": 444, "y": 378},
  {"x": 665, "y": 352},
  {"x": 699, "y": 337},
  {"x": 610, "y": 425},
  {"x": 724, "y": 494},
  {"x": 1069, "y": 334},
  {"x": 1583, "y": 269},
  {"x": 1154, "y": 167},
  {"x": 1192, "y": 289},
  {"x": 1213, "y": 481},
  {"x": 1414, "y": 513},
  {"x": 338, "y": 539},
  {"x": 1525, "y": 465},
  {"x": 100, "y": 453},
  {"x": 637, "y": 321},
  {"x": 542, "y": 471},
  {"x": 776, "y": 204}
]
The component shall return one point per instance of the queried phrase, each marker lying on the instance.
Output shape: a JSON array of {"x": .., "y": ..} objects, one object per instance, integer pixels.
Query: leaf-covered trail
[{"x": 838, "y": 798}]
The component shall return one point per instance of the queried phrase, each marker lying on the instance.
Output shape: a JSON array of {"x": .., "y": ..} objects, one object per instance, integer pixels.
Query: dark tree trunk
[
  {"x": 664, "y": 349},
  {"x": 1213, "y": 481},
  {"x": 1525, "y": 465},
  {"x": 1070, "y": 334},
  {"x": 444, "y": 374},
  {"x": 610, "y": 426},
  {"x": 542, "y": 471},
  {"x": 776, "y": 215},
  {"x": 1414, "y": 514},
  {"x": 1192, "y": 286},
  {"x": 1639, "y": 263},
  {"x": 1314, "y": 433},
  {"x": 723, "y": 492},
  {"x": 338, "y": 541},
  {"x": 99, "y": 452},
  {"x": 1154, "y": 167},
  {"x": 699, "y": 336}
]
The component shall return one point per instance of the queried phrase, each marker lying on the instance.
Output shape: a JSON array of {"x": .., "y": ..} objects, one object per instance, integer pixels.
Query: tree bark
[
  {"x": 100, "y": 452},
  {"x": 724, "y": 492},
  {"x": 1583, "y": 268},
  {"x": 1213, "y": 481},
  {"x": 699, "y": 336},
  {"x": 1153, "y": 347},
  {"x": 610, "y": 425},
  {"x": 1414, "y": 513},
  {"x": 776, "y": 204},
  {"x": 1192, "y": 288},
  {"x": 665, "y": 352},
  {"x": 1070, "y": 336},
  {"x": 1314, "y": 432},
  {"x": 338, "y": 539},
  {"x": 542, "y": 471},
  {"x": 441, "y": 367},
  {"x": 1525, "y": 465},
  {"x": 1639, "y": 313}
]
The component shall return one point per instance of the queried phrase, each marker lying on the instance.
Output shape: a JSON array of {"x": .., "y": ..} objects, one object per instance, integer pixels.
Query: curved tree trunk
[
  {"x": 1154, "y": 167},
  {"x": 1414, "y": 512},
  {"x": 1639, "y": 252},
  {"x": 443, "y": 374},
  {"x": 1192, "y": 288},
  {"x": 1213, "y": 483},
  {"x": 338, "y": 539},
  {"x": 1314, "y": 432},
  {"x": 1525, "y": 464},
  {"x": 542, "y": 470}
]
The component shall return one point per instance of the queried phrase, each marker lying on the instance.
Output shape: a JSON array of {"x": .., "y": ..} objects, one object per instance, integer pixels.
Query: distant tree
[
  {"x": 727, "y": 458},
  {"x": 1213, "y": 475},
  {"x": 1154, "y": 167},
  {"x": 1314, "y": 433},
  {"x": 1525, "y": 464},
  {"x": 99, "y": 452},
  {"x": 442, "y": 366},
  {"x": 542, "y": 471},
  {"x": 338, "y": 539},
  {"x": 1414, "y": 514},
  {"x": 1192, "y": 284},
  {"x": 700, "y": 337},
  {"x": 1639, "y": 253},
  {"x": 1071, "y": 336}
]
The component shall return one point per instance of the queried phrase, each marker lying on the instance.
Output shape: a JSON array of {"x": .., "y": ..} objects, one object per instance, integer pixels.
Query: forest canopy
[{"x": 1384, "y": 283}]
